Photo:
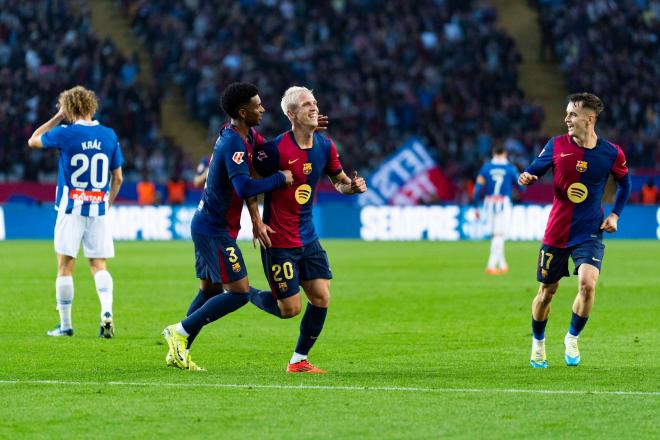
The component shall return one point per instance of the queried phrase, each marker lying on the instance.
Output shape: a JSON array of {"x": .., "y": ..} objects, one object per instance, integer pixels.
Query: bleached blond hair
[{"x": 290, "y": 98}]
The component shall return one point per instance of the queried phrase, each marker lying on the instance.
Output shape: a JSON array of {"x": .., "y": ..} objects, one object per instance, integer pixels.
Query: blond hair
[
  {"x": 290, "y": 98},
  {"x": 77, "y": 103}
]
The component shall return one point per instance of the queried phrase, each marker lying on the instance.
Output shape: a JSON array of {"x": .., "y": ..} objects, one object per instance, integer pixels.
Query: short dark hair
[
  {"x": 237, "y": 95},
  {"x": 499, "y": 149},
  {"x": 588, "y": 100}
]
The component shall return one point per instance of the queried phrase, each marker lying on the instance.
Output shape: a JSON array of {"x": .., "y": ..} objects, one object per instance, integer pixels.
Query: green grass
[{"x": 410, "y": 315}]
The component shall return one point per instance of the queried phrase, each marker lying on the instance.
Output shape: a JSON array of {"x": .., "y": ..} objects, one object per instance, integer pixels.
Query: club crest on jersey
[
  {"x": 238, "y": 157},
  {"x": 581, "y": 166},
  {"x": 236, "y": 267},
  {"x": 283, "y": 287},
  {"x": 303, "y": 193},
  {"x": 307, "y": 168}
]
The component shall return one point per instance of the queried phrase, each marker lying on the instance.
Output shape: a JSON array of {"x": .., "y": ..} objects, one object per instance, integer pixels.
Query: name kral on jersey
[{"x": 91, "y": 145}]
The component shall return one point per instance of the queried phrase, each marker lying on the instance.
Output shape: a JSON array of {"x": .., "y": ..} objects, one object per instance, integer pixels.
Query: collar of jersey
[
  {"x": 88, "y": 123},
  {"x": 499, "y": 161}
]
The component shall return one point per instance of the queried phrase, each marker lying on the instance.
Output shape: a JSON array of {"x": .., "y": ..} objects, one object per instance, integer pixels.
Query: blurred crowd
[
  {"x": 46, "y": 48},
  {"x": 382, "y": 71},
  {"x": 611, "y": 48}
]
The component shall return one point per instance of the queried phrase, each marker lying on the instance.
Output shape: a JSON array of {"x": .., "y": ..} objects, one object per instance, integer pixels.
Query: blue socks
[
  {"x": 265, "y": 300},
  {"x": 310, "y": 327},
  {"x": 577, "y": 324},
  {"x": 214, "y": 309},
  {"x": 538, "y": 329},
  {"x": 196, "y": 303}
]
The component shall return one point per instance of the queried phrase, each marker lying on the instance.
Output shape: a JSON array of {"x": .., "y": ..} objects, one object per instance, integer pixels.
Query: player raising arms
[
  {"x": 496, "y": 179},
  {"x": 581, "y": 162},
  {"x": 219, "y": 262},
  {"x": 88, "y": 181},
  {"x": 296, "y": 257}
]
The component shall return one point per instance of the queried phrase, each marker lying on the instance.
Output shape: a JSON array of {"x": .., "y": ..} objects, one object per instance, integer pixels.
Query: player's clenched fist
[
  {"x": 358, "y": 185},
  {"x": 527, "y": 179},
  {"x": 289, "y": 177}
]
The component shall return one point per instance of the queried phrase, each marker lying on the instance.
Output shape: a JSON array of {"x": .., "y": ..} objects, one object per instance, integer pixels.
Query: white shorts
[
  {"x": 94, "y": 232},
  {"x": 497, "y": 212}
]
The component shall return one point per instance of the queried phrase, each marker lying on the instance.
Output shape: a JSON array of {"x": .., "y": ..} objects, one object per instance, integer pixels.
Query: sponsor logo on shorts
[
  {"x": 236, "y": 267},
  {"x": 595, "y": 259}
]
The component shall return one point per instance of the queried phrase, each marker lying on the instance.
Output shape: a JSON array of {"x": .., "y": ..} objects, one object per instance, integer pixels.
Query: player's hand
[
  {"x": 260, "y": 231},
  {"x": 610, "y": 223},
  {"x": 358, "y": 185},
  {"x": 289, "y": 177},
  {"x": 527, "y": 179},
  {"x": 323, "y": 123}
]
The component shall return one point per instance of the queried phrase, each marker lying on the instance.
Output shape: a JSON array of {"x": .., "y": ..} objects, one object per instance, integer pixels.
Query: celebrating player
[
  {"x": 219, "y": 262},
  {"x": 581, "y": 162},
  {"x": 296, "y": 257},
  {"x": 88, "y": 181},
  {"x": 496, "y": 179}
]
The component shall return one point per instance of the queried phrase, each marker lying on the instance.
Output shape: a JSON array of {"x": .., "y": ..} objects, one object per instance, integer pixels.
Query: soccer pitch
[{"x": 419, "y": 342}]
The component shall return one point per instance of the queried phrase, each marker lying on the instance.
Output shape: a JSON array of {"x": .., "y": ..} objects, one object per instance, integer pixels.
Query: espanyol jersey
[
  {"x": 499, "y": 177},
  {"x": 288, "y": 210},
  {"x": 580, "y": 175},
  {"x": 220, "y": 209},
  {"x": 89, "y": 152}
]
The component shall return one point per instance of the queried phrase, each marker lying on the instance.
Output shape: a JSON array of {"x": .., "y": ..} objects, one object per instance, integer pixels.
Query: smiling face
[
  {"x": 252, "y": 112},
  {"x": 579, "y": 120},
  {"x": 305, "y": 112}
]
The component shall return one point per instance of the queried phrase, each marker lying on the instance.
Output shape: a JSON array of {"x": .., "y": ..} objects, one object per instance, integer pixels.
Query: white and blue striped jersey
[
  {"x": 89, "y": 152},
  {"x": 496, "y": 180}
]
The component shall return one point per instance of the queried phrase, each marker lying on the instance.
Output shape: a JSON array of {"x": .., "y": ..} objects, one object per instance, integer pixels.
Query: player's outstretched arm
[
  {"x": 35, "y": 139},
  {"x": 247, "y": 187},
  {"x": 117, "y": 180},
  {"x": 346, "y": 185},
  {"x": 527, "y": 179}
]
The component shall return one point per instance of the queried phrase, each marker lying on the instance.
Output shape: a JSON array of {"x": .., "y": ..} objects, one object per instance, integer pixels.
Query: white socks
[
  {"x": 297, "y": 357},
  {"x": 496, "y": 258},
  {"x": 64, "y": 299},
  {"x": 103, "y": 282},
  {"x": 180, "y": 330}
]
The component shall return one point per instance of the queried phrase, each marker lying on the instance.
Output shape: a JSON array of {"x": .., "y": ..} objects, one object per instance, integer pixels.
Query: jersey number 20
[{"x": 98, "y": 162}]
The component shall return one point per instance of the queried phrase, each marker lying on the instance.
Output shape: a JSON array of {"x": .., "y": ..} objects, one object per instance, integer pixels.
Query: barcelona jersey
[
  {"x": 220, "y": 209},
  {"x": 288, "y": 210},
  {"x": 580, "y": 175}
]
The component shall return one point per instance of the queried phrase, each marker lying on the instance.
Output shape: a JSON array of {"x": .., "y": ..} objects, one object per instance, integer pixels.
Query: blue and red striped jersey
[
  {"x": 220, "y": 207},
  {"x": 288, "y": 210},
  {"x": 89, "y": 152},
  {"x": 580, "y": 175}
]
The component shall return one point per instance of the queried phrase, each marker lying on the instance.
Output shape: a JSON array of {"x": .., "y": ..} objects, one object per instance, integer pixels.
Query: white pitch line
[{"x": 330, "y": 388}]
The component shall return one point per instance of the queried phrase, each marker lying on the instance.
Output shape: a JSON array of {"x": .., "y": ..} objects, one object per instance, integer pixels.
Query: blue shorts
[
  {"x": 218, "y": 259},
  {"x": 286, "y": 268},
  {"x": 553, "y": 262}
]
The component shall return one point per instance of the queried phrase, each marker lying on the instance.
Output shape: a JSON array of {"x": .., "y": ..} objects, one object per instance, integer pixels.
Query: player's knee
[
  {"x": 547, "y": 292},
  {"x": 587, "y": 288},
  {"x": 289, "y": 310},
  {"x": 322, "y": 300}
]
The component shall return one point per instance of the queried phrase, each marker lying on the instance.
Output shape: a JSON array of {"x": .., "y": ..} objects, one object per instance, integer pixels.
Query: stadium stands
[
  {"x": 381, "y": 70},
  {"x": 611, "y": 49},
  {"x": 46, "y": 48}
]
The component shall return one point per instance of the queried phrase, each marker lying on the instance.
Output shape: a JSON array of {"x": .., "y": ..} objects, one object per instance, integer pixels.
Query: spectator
[
  {"x": 146, "y": 191},
  {"x": 649, "y": 193},
  {"x": 176, "y": 190}
]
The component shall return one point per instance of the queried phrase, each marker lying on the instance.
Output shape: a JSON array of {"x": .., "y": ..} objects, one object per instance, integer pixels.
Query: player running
[
  {"x": 88, "y": 181},
  {"x": 296, "y": 257},
  {"x": 581, "y": 162}
]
